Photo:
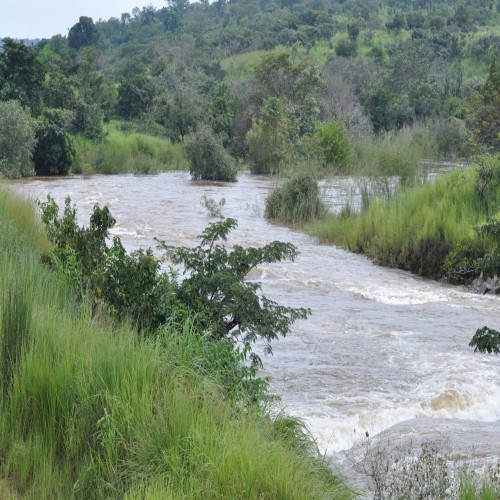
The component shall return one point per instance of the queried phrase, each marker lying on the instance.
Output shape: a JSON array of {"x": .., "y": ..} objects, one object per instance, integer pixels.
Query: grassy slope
[
  {"x": 419, "y": 228},
  {"x": 89, "y": 411}
]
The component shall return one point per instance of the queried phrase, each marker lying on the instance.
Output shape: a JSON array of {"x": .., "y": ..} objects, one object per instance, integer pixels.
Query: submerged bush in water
[
  {"x": 208, "y": 160},
  {"x": 297, "y": 201}
]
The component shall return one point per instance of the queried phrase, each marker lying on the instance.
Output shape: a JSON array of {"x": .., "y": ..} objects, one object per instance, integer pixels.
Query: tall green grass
[
  {"x": 394, "y": 153},
  {"x": 423, "y": 229},
  {"x": 121, "y": 152},
  {"x": 91, "y": 410}
]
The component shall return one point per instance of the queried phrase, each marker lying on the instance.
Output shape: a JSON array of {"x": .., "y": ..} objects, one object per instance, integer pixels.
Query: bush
[
  {"x": 17, "y": 140},
  {"x": 346, "y": 48},
  {"x": 267, "y": 140},
  {"x": 452, "y": 138},
  {"x": 208, "y": 160},
  {"x": 228, "y": 307},
  {"x": 333, "y": 146},
  {"x": 54, "y": 151},
  {"x": 297, "y": 201}
]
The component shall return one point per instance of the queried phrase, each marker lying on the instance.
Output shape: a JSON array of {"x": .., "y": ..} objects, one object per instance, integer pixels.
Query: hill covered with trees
[{"x": 274, "y": 83}]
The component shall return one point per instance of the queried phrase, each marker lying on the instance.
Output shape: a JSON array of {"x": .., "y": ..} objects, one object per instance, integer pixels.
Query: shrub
[
  {"x": 127, "y": 285},
  {"x": 267, "y": 140},
  {"x": 297, "y": 201},
  {"x": 228, "y": 307},
  {"x": 452, "y": 138},
  {"x": 208, "y": 160},
  {"x": 17, "y": 140},
  {"x": 346, "y": 48},
  {"x": 333, "y": 145},
  {"x": 54, "y": 151}
]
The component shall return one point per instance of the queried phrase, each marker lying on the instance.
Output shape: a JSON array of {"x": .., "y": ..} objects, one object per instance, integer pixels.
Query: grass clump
[
  {"x": 92, "y": 410},
  {"x": 121, "y": 152},
  {"x": 430, "y": 230},
  {"x": 296, "y": 201},
  {"x": 394, "y": 153}
]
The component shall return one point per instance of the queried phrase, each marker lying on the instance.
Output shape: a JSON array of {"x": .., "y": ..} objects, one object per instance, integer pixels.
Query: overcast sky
[{"x": 42, "y": 19}]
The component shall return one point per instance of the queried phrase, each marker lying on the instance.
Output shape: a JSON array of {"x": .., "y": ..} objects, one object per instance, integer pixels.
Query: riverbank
[
  {"x": 89, "y": 410},
  {"x": 430, "y": 230}
]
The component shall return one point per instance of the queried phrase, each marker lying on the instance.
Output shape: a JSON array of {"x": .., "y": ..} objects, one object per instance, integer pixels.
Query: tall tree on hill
[
  {"x": 83, "y": 34},
  {"x": 21, "y": 75},
  {"x": 485, "y": 110}
]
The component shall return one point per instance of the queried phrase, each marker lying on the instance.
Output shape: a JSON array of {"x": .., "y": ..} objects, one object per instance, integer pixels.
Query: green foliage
[
  {"x": 428, "y": 229},
  {"x": 128, "y": 286},
  {"x": 54, "y": 151},
  {"x": 453, "y": 139},
  {"x": 129, "y": 151},
  {"x": 486, "y": 340},
  {"x": 296, "y": 201},
  {"x": 95, "y": 411},
  {"x": 267, "y": 140},
  {"x": 21, "y": 75},
  {"x": 333, "y": 145},
  {"x": 485, "y": 111},
  {"x": 208, "y": 160},
  {"x": 346, "y": 47},
  {"x": 487, "y": 184},
  {"x": 228, "y": 306},
  {"x": 17, "y": 140},
  {"x": 83, "y": 34},
  {"x": 221, "y": 112},
  {"x": 79, "y": 252},
  {"x": 135, "y": 96}
]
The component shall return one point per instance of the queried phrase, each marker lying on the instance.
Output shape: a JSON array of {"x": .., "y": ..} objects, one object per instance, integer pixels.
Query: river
[{"x": 382, "y": 351}]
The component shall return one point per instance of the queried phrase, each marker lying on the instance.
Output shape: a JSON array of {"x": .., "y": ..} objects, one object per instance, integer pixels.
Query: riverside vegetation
[
  {"x": 301, "y": 88},
  {"x": 91, "y": 409},
  {"x": 334, "y": 86}
]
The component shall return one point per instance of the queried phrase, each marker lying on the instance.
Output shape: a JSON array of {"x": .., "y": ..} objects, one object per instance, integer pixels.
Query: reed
[{"x": 425, "y": 229}]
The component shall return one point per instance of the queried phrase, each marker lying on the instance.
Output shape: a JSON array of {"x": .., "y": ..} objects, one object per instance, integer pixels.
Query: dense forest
[{"x": 272, "y": 84}]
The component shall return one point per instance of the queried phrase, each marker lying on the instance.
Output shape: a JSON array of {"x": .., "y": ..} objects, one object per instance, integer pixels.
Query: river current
[{"x": 383, "y": 350}]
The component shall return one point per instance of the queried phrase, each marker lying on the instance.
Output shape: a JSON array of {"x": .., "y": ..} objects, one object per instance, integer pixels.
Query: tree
[
  {"x": 486, "y": 340},
  {"x": 228, "y": 306},
  {"x": 83, "y": 34},
  {"x": 221, "y": 112},
  {"x": 54, "y": 152},
  {"x": 484, "y": 113},
  {"x": 21, "y": 75},
  {"x": 17, "y": 140},
  {"x": 267, "y": 139},
  {"x": 207, "y": 157},
  {"x": 135, "y": 96},
  {"x": 332, "y": 142}
]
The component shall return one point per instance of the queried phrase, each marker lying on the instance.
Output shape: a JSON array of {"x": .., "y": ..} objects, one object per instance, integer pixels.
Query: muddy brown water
[{"x": 383, "y": 351}]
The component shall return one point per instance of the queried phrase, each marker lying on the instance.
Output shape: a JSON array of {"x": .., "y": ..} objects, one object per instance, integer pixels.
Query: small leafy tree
[
  {"x": 486, "y": 340},
  {"x": 207, "y": 157},
  {"x": 267, "y": 140},
  {"x": 21, "y": 75},
  {"x": 333, "y": 146},
  {"x": 127, "y": 285},
  {"x": 484, "y": 115},
  {"x": 83, "y": 34},
  {"x": 229, "y": 307},
  {"x": 17, "y": 140},
  {"x": 54, "y": 152}
]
